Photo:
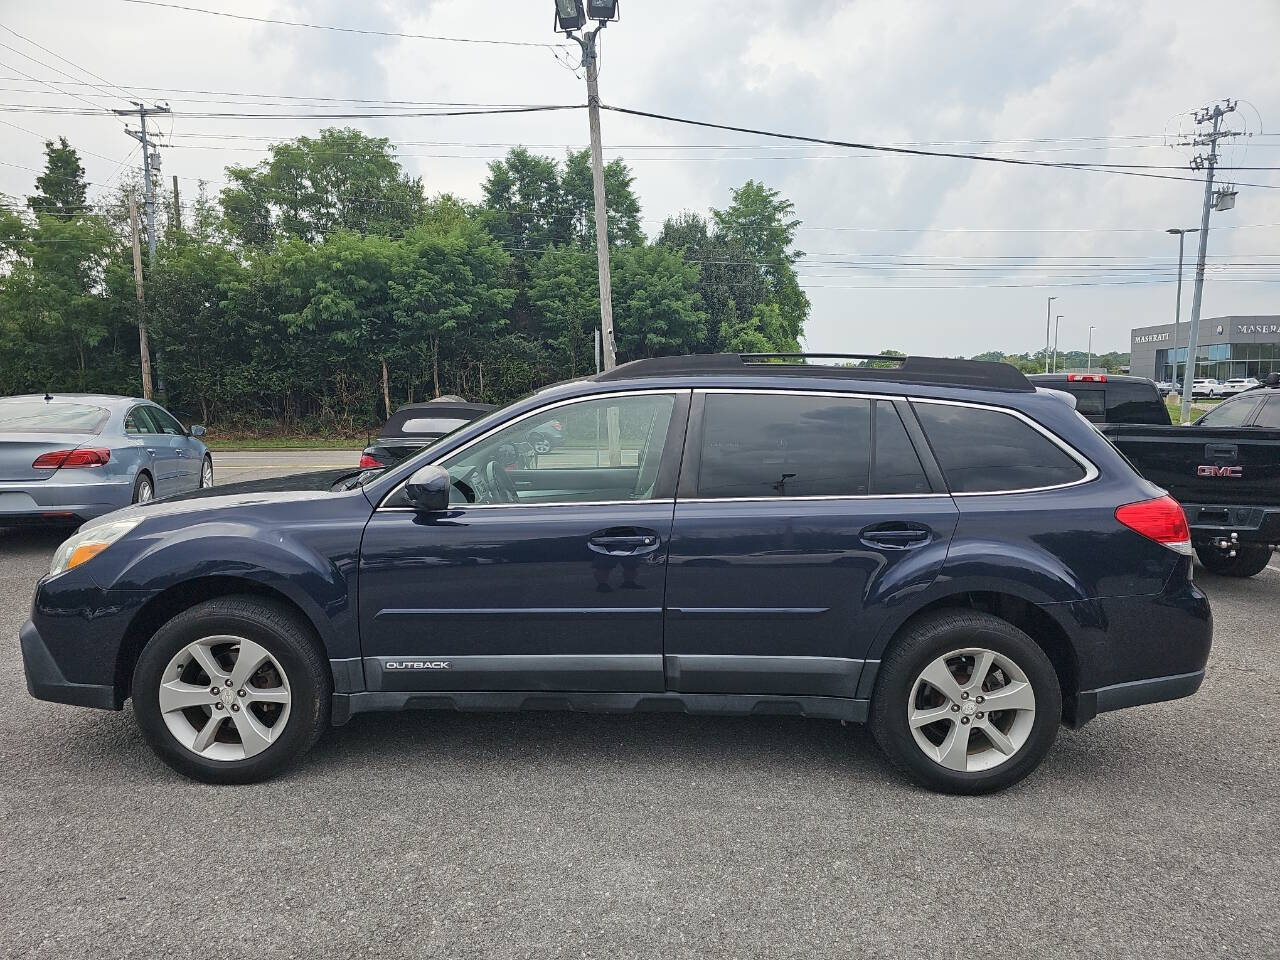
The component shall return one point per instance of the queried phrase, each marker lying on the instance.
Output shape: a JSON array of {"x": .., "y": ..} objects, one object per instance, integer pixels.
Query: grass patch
[
  {"x": 1174, "y": 403},
  {"x": 218, "y": 440}
]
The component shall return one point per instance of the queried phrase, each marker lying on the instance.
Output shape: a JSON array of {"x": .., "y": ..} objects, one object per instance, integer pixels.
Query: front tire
[
  {"x": 933, "y": 714},
  {"x": 206, "y": 473},
  {"x": 233, "y": 690},
  {"x": 1250, "y": 560}
]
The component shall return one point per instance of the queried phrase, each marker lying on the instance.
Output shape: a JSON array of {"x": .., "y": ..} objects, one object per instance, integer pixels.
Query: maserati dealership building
[{"x": 1229, "y": 347}]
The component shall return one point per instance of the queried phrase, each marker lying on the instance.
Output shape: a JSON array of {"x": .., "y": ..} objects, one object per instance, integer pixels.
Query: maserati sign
[
  {"x": 1259, "y": 328},
  {"x": 1151, "y": 337}
]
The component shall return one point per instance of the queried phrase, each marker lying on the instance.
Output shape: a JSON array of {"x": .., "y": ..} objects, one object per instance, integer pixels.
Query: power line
[
  {"x": 232, "y": 115},
  {"x": 914, "y": 151},
  {"x": 357, "y": 30},
  {"x": 70, "y": 63}
]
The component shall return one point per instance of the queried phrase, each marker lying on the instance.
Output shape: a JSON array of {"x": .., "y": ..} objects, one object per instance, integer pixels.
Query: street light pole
[
  {"x": 1056, "y": 324},
  {"x": 1048, "y": 309},
  {"x": 1177, "y": 308},
  {"x": 1088, "y": 363}
]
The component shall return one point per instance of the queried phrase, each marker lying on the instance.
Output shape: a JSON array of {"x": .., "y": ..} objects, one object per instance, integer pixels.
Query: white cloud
[{"x": 873, "y": 70}]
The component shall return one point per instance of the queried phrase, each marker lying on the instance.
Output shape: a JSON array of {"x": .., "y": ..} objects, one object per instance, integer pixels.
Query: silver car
[{"x": 71, "y": 457}]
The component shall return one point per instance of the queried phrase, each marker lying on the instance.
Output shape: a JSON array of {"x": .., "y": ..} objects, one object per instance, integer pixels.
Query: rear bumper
[
  {"x": 1249, "y": 523},
  {"x": 1090, "y": 703},
  {"x": 45, "y": 680},
  {"x": 53, "y": 500}
]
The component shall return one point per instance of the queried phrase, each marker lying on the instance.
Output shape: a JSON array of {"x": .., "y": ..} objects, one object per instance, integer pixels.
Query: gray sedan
[{"x": 75, "y": 456}]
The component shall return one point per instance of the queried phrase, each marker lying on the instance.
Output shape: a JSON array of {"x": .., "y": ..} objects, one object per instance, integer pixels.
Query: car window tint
[
  {"x": 895, "y": 468},
  {"x": 778, "y": 445},
  {"x": 1231, "y": 413},
  {"x": 165, "y": 422},
  {"x": 40, "y": 416},
  {"x": 434, "y": 426},
  {"x": 607, "y": 449},
  {"x": 136, "y": 421},
  {"x": 1135, "y": 403},
  {"x": 1270, "y": 415},
  {"x": 1091, "y": 402},
  {"x": 984, "y": 451}
]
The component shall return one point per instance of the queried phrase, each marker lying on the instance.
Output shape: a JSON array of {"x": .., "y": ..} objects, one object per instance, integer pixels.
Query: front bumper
[{"x": 45, "y": 680}]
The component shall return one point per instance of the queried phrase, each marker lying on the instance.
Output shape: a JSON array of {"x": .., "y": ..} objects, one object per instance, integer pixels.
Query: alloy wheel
[
  {"x": 206, "y": 474},
  {"x": 225, "y": 698},
  {"x": 971, "y": 709},
  {"x": 145, "y": 492}
]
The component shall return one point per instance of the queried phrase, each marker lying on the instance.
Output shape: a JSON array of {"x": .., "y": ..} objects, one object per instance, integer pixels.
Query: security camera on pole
[{"x": 571, "y": 16}]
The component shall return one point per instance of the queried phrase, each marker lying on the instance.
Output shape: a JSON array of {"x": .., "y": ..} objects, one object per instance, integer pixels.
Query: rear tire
[
  {"x": 983, "y": 752},
  {"x": 298, "y": 683},
  {"x": 144, "y": 490},
  {"x": 1250, "y": 560}
]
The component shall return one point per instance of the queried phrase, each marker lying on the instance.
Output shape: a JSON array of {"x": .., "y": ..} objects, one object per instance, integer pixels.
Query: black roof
[
  {"x": 434, "y": 410},
  {"x": 941, "y": 371}
]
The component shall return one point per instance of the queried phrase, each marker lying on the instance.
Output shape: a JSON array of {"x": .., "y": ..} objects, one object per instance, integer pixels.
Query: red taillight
[
  {"x": 1086, "y": 378},
  {"x": 66, "y": 459},
  {"x": 369, "y": 463},
  {"x": 1160, "y": 520}
]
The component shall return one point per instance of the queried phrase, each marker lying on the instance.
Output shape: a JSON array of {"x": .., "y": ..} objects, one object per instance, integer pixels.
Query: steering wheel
[{"x": 500, "y": 482}]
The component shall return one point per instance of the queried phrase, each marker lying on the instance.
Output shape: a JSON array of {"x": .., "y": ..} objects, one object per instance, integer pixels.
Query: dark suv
[{"x": 939, "y": 549}]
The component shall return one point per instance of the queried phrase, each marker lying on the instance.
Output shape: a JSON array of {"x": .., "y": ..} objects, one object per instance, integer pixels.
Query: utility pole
[
  {"x": 1214, "y": 115},
  {"x": 570, "y": 16},
  {"x": 1048, "y": 309},
  {"x": 1088, "y": 363},
  {"x": 142, "y": 315},
  {"x": 140, "y": 135},
  {"x": 177, "y": 206},
  {"x": 1056, "y": 324},
  {"x": 1177, "y": 306}
]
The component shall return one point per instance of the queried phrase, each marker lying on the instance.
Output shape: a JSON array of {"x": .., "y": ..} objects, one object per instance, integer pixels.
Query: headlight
[{"x": 87, "y": 544}]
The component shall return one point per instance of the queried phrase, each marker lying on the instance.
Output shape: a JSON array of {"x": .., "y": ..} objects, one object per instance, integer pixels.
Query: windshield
[{"x": 43, "y": 416}]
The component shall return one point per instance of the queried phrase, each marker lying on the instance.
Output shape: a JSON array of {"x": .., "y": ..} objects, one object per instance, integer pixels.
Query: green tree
[
  {"x": 525, "y": 206},
  {"x": 621, "y": 203},
  {"x": 309, "y": 188},
  {"x": 61, "y": 188}
]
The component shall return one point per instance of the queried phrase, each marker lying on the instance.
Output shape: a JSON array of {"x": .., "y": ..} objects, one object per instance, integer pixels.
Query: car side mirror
[
  {"x": 428, "y": 488},
  {"x": 196, "y": 430}
]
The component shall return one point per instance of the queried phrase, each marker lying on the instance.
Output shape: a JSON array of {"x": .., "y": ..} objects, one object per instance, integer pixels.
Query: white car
[
  {"x": 1206, "y": 388},
  {"x": 1238, "y": 385}
]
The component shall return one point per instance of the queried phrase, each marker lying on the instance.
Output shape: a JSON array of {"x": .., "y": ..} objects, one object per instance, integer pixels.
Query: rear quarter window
[{"x": 988, "y": 451}]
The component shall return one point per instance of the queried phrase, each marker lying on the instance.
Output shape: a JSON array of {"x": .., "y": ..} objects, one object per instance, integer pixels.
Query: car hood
[{"x": 298, "y": 486}]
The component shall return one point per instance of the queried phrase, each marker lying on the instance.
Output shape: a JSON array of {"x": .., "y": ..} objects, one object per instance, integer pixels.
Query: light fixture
[
  {"x": 602, "y": 9},
  {"x": 569, "y": 15}
]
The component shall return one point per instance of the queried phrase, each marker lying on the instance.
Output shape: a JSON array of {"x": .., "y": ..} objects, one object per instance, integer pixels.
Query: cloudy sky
[{"x": 921, "y": 254}]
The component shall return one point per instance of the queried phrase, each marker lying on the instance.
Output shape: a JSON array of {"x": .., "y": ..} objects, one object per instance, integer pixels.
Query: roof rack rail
[{"x": 937, "y": 371}]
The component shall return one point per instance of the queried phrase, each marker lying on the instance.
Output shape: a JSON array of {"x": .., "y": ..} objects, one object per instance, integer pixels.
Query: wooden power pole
[{"x": 142, "y": 316}]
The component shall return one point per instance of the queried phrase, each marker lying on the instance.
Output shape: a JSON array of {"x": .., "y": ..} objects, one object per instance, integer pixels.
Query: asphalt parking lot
[{"x": 1149, "y": 833}]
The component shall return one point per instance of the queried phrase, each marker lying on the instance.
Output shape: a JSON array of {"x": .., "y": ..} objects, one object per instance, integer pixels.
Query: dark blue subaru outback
[{"x": 939, "y": 549}]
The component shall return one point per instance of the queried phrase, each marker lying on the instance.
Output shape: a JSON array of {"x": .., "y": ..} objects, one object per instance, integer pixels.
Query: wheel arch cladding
[
  {"x": 167, "y": 604},
  {"x": 1037, "y": 622}
]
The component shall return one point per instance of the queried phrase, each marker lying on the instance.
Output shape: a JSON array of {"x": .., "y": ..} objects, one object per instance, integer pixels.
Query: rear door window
[
  {"x": 784, "y": 445},
  {"x": 1135, "y": 403},
  {"x": 1232, "y": 413},
  {"x": 1270, "y": 415},
  {"x": 988, "y": 451},
  {"x": 895, "y": 466}
]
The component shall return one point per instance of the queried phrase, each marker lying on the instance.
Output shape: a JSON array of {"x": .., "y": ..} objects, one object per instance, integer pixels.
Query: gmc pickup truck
[{"x": 1224, "y": 469}]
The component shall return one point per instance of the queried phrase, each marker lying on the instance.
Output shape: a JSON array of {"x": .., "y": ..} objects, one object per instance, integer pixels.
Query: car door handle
[
  {"x": 896, "y": 535},
  {"x": 1221, "y": 451},
  {"x": 623, "y": 542}
]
